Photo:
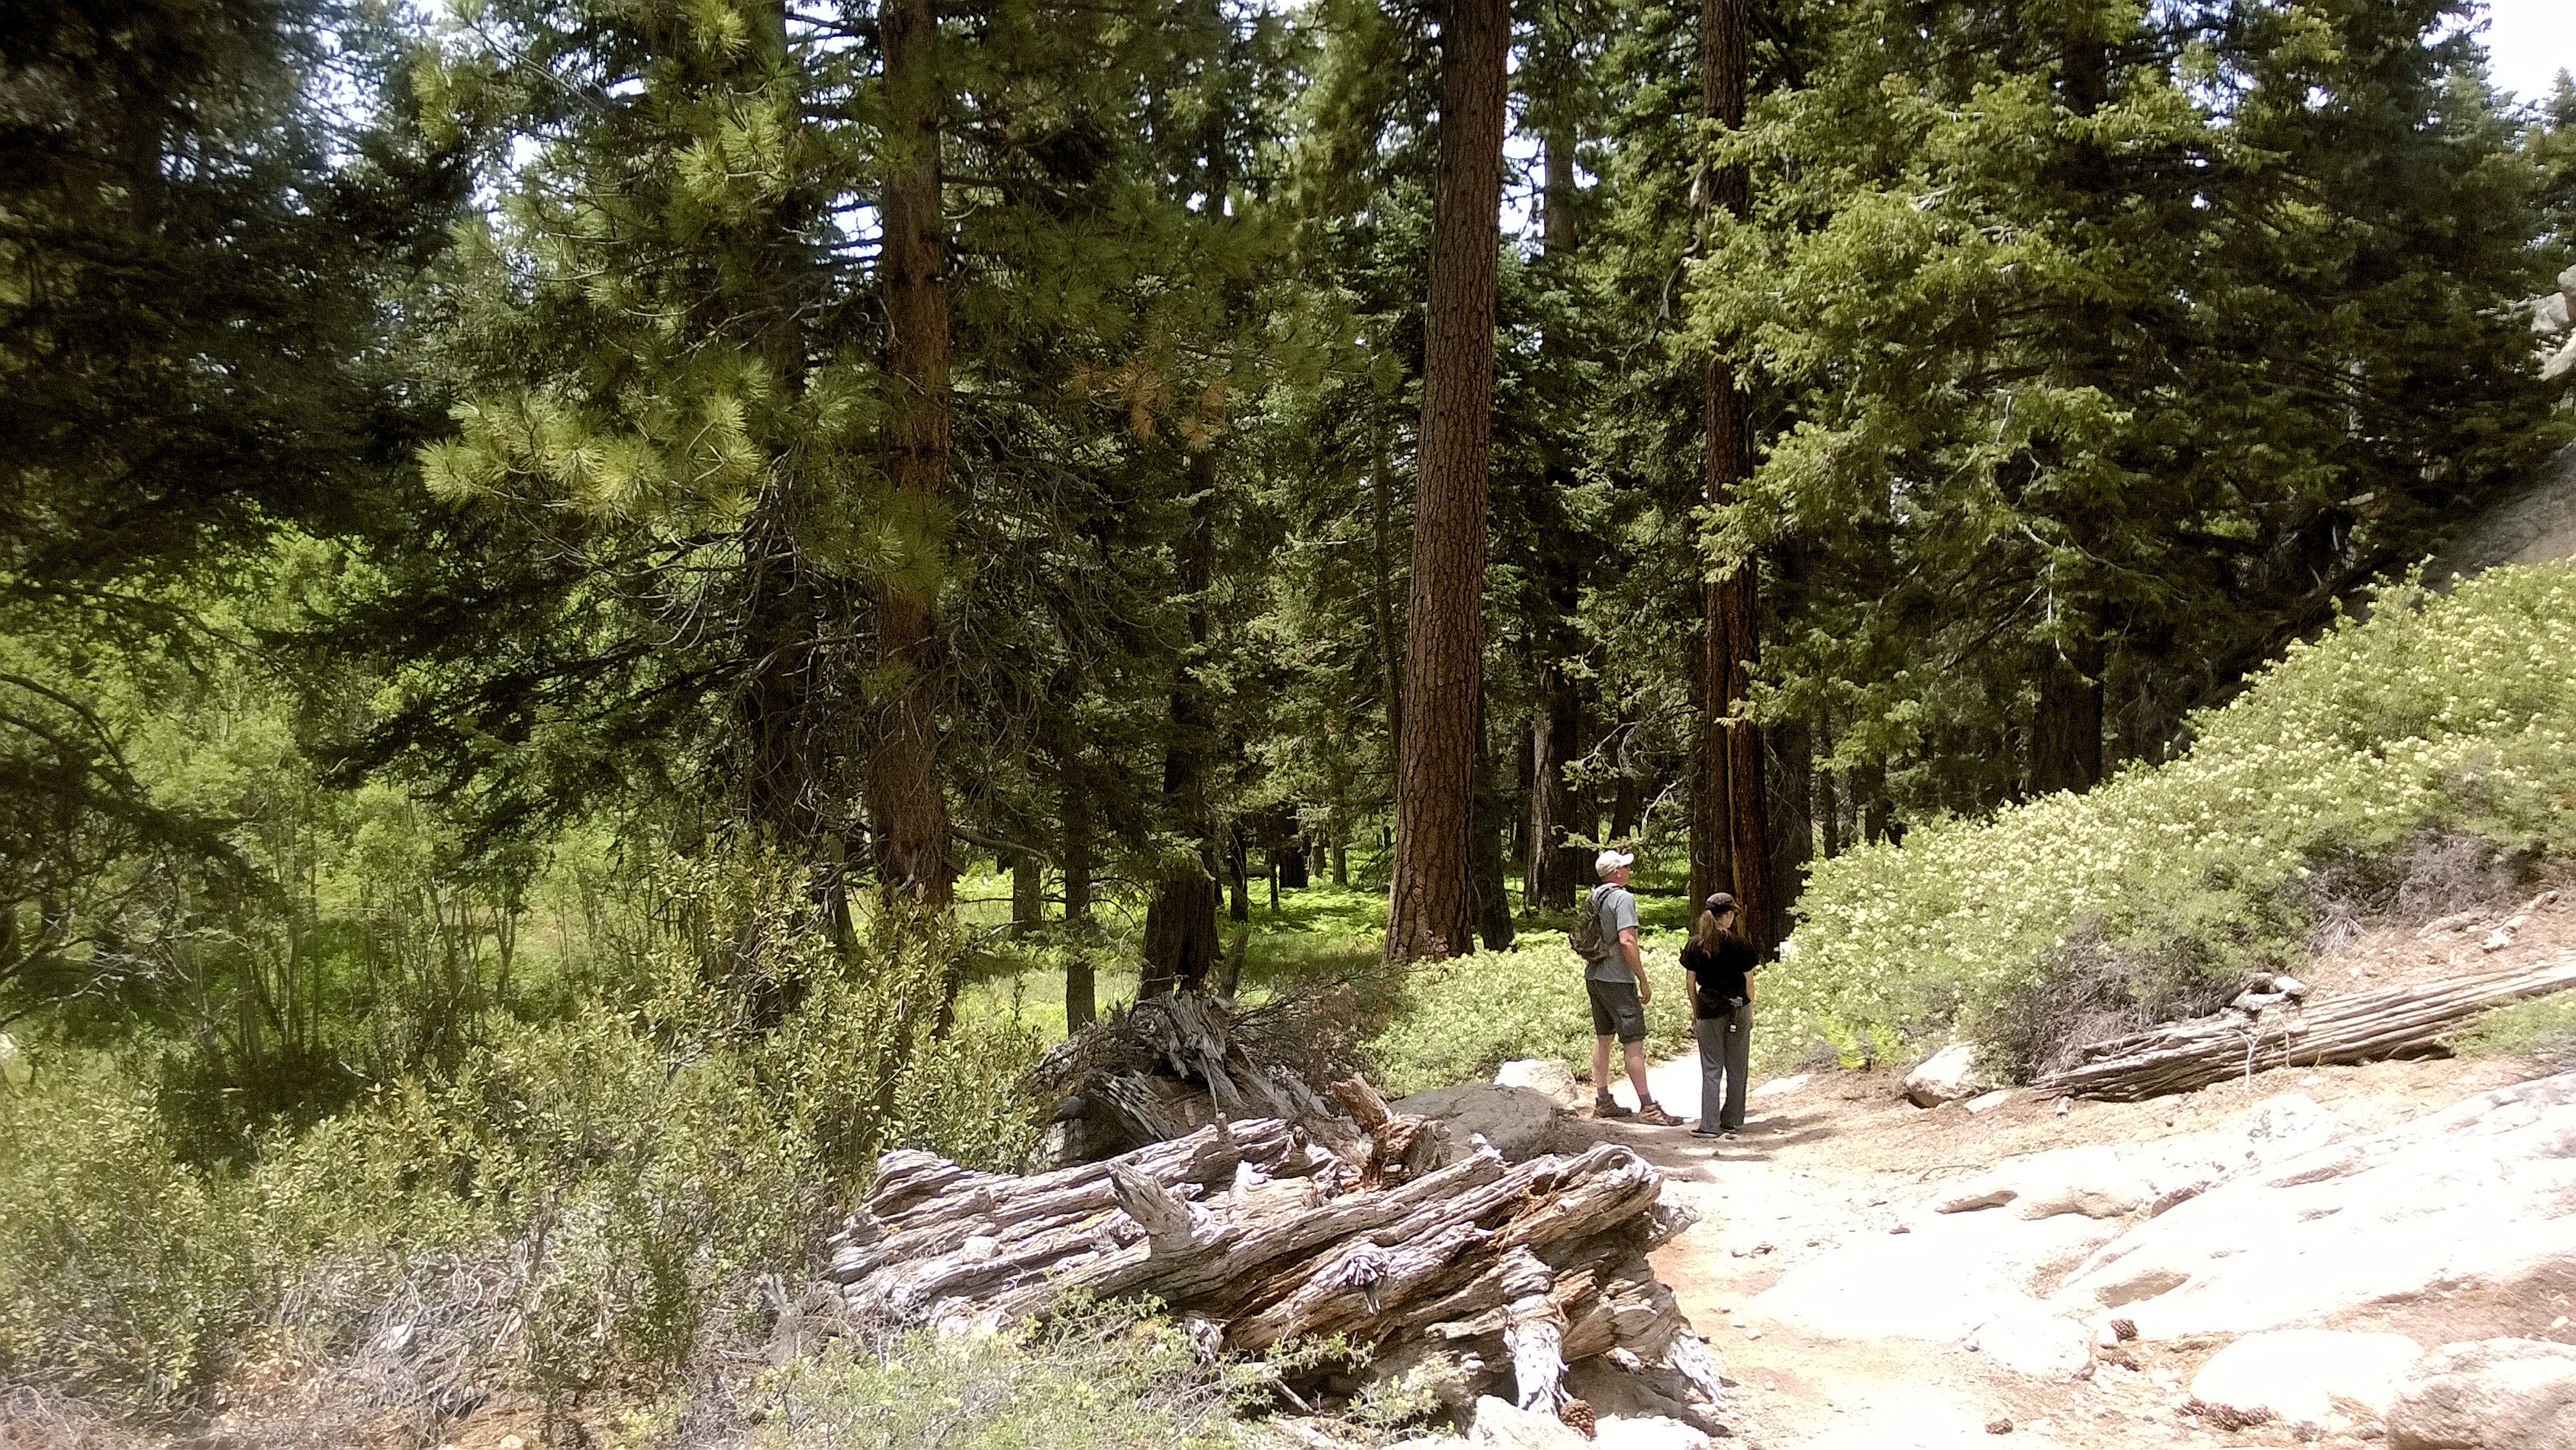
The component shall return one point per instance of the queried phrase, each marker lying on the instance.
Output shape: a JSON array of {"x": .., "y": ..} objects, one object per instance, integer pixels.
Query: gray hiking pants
[{"x": 1725, "y": 1056}]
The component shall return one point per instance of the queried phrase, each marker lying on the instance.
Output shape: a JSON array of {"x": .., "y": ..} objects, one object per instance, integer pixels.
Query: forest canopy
[{"x": 904, "y": 436}]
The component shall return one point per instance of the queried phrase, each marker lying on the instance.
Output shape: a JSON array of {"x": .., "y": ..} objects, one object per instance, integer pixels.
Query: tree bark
[
  {"x": 1444, "y": 656},
  {"x": 1180, "y": 920},
  {"x": 1869, "y": 801},
  {"x": 905, "y": 797},
  {"x": 1390, "y": 649},
  {"x": 2066, "y": 730},
  {"x": 1733, "y": 783},
  {"x": 1793, "y": 826},
  {"x": 1028, "y": 893},
  {"x": 1073, "y": 815},
  {"x": 1829, "y": 800},
  {"x": 1490, "y": 903},
  {"x": 1556, "y": 869}
]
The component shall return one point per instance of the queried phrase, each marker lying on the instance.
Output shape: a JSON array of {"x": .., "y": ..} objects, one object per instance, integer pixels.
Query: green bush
[
  {"x": 2436, "y": 714},
  {"x": 2544, "y": 1027},
  {"x": 582, "y": 1203},
  {"x": 1102, "y": 1381},
  {"x": 1459, "y": 1019}
]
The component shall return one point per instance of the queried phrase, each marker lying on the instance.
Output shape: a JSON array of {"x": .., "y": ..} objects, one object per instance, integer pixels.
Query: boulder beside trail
[
  {"x": 2319, "y": 1377},
  {"x": 1947, "y": 1076},
  {"x": 1543, "y": 1075},
  {"x": 1521, "y": 1123},
  {"x": 2488, "y": 1394},
  {"x": 2476, "y": 1194}
]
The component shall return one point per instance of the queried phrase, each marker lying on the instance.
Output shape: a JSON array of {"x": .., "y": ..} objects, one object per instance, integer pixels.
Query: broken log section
[
  {"x": 2361, "y": 1027},
  {"x": 1460, "y": 1275}
]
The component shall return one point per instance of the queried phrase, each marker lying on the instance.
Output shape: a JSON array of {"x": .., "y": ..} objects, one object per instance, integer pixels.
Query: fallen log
[
  {"x": 1173, "y": 1063},
  {"x": 2361, "y": 1027},
  {"x": 1466, "y": 1276}
]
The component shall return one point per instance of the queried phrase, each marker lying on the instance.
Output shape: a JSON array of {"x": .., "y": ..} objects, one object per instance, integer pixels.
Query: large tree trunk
[
  {"x": 1028, "y": 893},
  {"x": 2066, "y": 730},
  {"x": 905, "y": 798},
  {"x": 1556, "y": 869},
  {"x": 1444, "y": 655},
  {"x": 1732, "y": 785},
  {"x": 1180, "y": 920},
  {"x": 1793, "y": 826}
]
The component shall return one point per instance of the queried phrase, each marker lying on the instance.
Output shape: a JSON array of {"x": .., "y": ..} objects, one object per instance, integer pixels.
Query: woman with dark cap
[{"x": 1719, "y": 966}]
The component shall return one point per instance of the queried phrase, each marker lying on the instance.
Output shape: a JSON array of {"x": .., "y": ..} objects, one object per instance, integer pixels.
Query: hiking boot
[
  {"x": 1653, "y": 1116},
  {"x": 1609, "y": 1108}
]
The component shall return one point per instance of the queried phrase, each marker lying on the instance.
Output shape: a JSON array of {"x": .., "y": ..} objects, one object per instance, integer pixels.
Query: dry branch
[
  {"x": 2362, "y": 1027},
  {"x": 1474, "y": 1272},
  {"x": 1175, "y": 1062}
]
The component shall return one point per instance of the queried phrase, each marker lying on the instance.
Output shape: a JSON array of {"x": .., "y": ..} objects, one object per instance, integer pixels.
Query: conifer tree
[{"x": 1443, "y": 657}]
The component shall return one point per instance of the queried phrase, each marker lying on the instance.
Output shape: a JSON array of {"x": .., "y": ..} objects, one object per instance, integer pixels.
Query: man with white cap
[{"x": 1615, "y": 980}]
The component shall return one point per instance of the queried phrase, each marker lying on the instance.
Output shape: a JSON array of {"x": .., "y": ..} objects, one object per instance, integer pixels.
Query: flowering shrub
[
  {"x": 2454, "y": 712},
  {"x": 1461, "y": 1018}
]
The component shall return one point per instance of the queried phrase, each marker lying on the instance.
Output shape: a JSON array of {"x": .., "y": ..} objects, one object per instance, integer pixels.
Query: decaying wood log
[
  {"x": 2361, "y": 1027},
  {"x": 1173, "y": 1063},
  {"x": 1468, "y": 1275}
]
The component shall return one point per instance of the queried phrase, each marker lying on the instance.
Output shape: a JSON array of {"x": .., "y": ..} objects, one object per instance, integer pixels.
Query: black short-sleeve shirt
[{"x": 1720, "y": 974}]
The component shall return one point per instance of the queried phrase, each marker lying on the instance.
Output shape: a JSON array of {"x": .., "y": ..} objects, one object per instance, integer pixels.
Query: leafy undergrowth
[
  {"x": 2544, "y": 1029},
  {"x": 1458, "y": 1019},
  {"x": 2437, "y": 720},
  {"x": 582, "y": 1209}
]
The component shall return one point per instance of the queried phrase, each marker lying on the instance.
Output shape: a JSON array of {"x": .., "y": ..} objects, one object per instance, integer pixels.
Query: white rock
[
  {"x": 1542, "y": 1075},
  {"x": 2035, "y": 1343},
  {"x": 1502, "y": 1425},
  {"x": 1781, "y": 1087},
  {"x": 14, "y": 1071},
  {"x": 2549, "y": 314},
  {"x": 1947, "y": 1076},
  {"x": 2476, "y": 1194},
  {"x": 2488, "y": 1394},
  {"x": 2567, "y": 283},
  {"x": 2105, "y": 1181},
  {"x": 1988, "y": 1102},
  {"x": 2311, "y": 1376},
  {"x": 1521, "y": 1124},
  {"x": 1645, "y": 1432},
  {"x": 1431, "y": 1442},
  {"x": 2560, "y": 362}
]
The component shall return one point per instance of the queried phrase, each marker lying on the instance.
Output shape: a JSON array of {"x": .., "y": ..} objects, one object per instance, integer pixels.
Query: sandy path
[{"x": 1844, "y": 1156}]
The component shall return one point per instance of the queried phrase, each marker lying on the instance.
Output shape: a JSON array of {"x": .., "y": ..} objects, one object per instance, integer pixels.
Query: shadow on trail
[{"x": 1676, "y": 1150}]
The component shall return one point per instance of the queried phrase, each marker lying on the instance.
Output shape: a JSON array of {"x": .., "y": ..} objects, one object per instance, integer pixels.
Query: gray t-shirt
[{"x": 1618, "y": 912}]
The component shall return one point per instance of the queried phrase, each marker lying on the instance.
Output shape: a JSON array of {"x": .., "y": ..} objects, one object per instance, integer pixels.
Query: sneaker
[
  {"x": 1653, "y": 1116},
  {"x": 1609, "y": 1108}
]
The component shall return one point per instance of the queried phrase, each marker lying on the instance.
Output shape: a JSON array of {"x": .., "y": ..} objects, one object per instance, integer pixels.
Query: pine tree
[{"x": 1443, "y": 657}]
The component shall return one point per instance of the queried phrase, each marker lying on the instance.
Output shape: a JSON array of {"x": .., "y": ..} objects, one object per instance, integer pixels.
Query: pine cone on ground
[{"x": 1578, "y": 1414}]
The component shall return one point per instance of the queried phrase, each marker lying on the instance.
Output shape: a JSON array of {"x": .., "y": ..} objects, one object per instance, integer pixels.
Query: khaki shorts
[{"x": 1616, "y": 1012}]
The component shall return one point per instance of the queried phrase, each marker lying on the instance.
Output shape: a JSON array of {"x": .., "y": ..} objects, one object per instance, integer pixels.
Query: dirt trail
[{"x": 1844, "y": 1155}]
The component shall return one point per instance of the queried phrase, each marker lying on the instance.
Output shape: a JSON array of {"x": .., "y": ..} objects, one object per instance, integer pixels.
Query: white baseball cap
[{"x": 1611, "y": 859}]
